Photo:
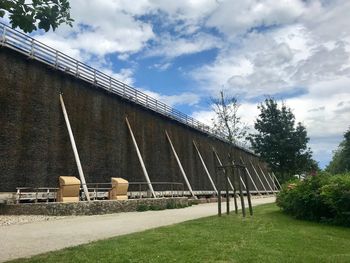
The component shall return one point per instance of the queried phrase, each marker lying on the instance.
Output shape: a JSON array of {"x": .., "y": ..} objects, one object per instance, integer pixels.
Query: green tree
[
  {"x": 340, "y": 162},
  {"x": 31, "y": 15},
  {"x": 228, "y": 124},
  {"x": 281, "y": 142},
  {"x": 227, "y": 121}
]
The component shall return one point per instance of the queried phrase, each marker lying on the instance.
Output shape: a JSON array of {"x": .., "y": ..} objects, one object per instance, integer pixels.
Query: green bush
[
  {"x": 174, "y": 205},
  {"x": 318, "y": 198},
  {"x": 156, "y": 207},
  {"x": 142, "y": 208},
  {"x": 336, "y": 195},
  {"x": 171, "y": 205}
]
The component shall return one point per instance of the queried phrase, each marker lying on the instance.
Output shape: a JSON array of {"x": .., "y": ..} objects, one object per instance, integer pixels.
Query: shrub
[
  {"x": 318, "y": 198},
  {"x": 171, "y": 205},
  {"x": 156, "y": 207},
  {"x": 336, "y": 195},
  {"x": 142, "y": 208},
  {"x": 174, "y": 205}
]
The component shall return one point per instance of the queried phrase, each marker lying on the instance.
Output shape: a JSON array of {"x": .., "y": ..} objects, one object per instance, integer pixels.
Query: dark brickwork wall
[{"x": 34, "y": 142}]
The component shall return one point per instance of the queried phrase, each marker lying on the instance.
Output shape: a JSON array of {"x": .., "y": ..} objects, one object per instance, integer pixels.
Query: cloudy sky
[{"x": 185, "y": 51}]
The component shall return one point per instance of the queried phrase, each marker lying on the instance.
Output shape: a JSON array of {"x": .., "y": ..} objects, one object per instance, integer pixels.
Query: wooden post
[
  {"x": 205, "y": 167},
  {"x": 75, "y": 150},
  {"x": 220, "y": 163},
  {"x": 240, "y": 178},
  {"x": 248, "y": 192},
  {"x": 234, "y": 190},
  {"x": 180, "y": 165},
  {"x": 145, "y": 173},
  {"x": 227, "y": 196},
  {"x": 219, "y": 202},
  {"x": 241, "y": 194}
]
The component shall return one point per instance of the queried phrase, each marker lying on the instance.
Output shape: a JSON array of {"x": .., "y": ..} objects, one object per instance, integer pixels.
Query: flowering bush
[{"x": 319, "y": 198}]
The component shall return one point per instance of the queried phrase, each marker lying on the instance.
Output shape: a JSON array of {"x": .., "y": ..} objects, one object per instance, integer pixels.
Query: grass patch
[{"x": 269, "y": 236}]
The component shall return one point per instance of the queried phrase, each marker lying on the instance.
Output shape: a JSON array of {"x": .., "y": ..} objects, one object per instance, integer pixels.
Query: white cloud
[
  {"x": 186, "y": 98},
  {"x": 162, "y": 66},
  {"x": 170, "y": 47},
  {"x": 124, "y": 75},
  {"x": 237, "y": 17},
  {"x": 101, "y": 28},
  {"x": 275, "y": 62}
]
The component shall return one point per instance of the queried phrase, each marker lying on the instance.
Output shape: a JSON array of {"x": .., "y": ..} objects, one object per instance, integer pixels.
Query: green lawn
[{"x": 269, "y": 236}]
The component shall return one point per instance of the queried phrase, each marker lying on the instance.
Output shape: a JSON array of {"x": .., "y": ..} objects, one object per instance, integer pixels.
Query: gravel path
[{"x": 25, "y": 240}]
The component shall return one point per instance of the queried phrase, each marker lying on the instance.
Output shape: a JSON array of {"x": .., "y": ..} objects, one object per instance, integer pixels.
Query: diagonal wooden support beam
[
  {"x": 266, "y": 179},
  {"x": 241, "y": 179},
  {"x": 75, "y": 150},
  {"x": 257, "y": 175},
  {"x": 180, "y": 165},
  {"x": 273, "y": 182},
  {"x": 205, "y": 167},
  {"x": 249, "y": 175},
  {"x": 219, "y": 161},
  {"x": 145, "y": 173},
  {"x": 279, "y": 185}
]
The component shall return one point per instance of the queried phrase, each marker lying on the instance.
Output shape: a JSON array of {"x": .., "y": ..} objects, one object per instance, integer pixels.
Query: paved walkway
[{"x": 26, "y": 240}]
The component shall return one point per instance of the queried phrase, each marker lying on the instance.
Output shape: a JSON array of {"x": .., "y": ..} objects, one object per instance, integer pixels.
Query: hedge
[{"x": 321, "y": 198}]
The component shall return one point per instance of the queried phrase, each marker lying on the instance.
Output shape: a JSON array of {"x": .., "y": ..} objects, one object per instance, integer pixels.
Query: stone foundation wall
[{"x": 88, "y": 208}]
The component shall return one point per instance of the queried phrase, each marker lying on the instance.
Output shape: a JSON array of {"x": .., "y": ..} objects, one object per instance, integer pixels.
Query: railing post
[
  {"x": 3, "y": 38},
  {"x": 56, "y": 59},
  {"x": 31, "y": 54},
  {"x": 77, "y": 69}
]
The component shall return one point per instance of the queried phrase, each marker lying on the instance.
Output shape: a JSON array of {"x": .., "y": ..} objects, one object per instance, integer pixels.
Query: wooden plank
[
  {"x": 250, "y": 177},
  {"x": 205, "y": 167},
  {"x": 145, "y": 173},
  {"x": 266, "y": 179},
  {"x": 180, "y": 165},
  {"x": 257, "y": 175},
  {"x": 273, "y": 174},
  {"x": 75, "y": 150},
  {"x": 220, "y": 163}
]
